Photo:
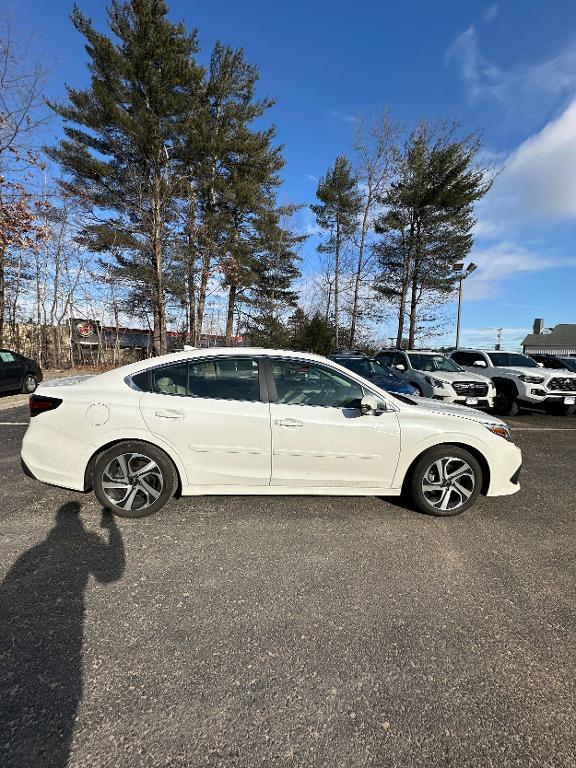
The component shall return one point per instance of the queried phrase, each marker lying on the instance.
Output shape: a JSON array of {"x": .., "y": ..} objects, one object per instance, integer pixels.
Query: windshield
[
  {"x": 367, "y": 368},
  {"x": 432, "y": 363},
  {"x": 569, "y": 362},
  {"x": 511, "y": 359}
]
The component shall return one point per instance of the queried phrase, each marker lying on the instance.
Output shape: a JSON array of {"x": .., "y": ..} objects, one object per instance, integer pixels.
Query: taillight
[{"x": 41, "y": 404}]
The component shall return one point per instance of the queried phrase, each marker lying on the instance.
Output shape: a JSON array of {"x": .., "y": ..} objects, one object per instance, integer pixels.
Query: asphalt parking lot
[{"x": 290, "y": 631}]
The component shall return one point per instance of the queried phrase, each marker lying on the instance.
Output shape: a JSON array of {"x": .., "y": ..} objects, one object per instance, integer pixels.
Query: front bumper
[
  {"x": 481, "y": 402},
  {"x": 446, "y": 396},
  {"x": 505, "y": 472},
  {"x": 553, "y": 398}
]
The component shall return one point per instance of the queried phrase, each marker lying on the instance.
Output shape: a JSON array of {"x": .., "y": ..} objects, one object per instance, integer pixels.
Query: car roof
[
  {"x": 488, "y": 351},
  {"x": 415, "y": 351},
  {"x": 210, "y": 352}
]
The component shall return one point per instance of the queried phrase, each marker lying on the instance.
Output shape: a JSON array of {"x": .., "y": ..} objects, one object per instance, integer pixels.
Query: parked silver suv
[
  {"x": 435, "y": 375},
  {"x": 519, "y": 380}
]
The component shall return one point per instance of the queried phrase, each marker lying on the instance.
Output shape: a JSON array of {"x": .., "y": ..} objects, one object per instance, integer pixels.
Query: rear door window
[{"x": 224, "y": 378}]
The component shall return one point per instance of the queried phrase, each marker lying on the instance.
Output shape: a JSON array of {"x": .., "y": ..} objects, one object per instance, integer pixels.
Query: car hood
[
  {"x": 453, "y": 409},
  {"x": 451, "y": 376},
  {"x": 519, "y": 370}
]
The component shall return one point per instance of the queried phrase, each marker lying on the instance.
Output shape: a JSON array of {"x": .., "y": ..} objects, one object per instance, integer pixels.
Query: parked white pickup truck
[{"x": 519, "y": 380}]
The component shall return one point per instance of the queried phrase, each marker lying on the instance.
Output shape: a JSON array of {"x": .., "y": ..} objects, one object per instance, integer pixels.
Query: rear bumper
[{"x": 53, "y": 458}]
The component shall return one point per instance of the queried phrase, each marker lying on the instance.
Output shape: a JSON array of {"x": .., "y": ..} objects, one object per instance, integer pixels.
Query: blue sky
[{"x": 507, "y": 69}]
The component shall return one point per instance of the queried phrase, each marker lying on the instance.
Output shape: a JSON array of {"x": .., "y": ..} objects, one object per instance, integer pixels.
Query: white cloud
[
  {"x": 486, "y": 338},
  {"x": 305, "y": 222},
  {"x": 537, "y": 186},
  {"x": 312, "y": 178},
  {"x": 526, "y": 91},
  {"x": 503, "y": 260},
  {"x": 490, "y": 12},
  {"x": 344, "y": 116}
]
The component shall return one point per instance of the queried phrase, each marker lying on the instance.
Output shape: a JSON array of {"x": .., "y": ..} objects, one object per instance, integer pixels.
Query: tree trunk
[
  {"x": 401, "y": 311},
  {"x": 337, "y": 287},
  {"x": 413, "y": 309},
  {"x": 202, "y": 291},
  {"x": 358, "y": 277},
  {"x": 2, "y": 293},
  {"x": 230, "y": 314},
  {"x": 191, "y": 280},
  {"x": 160, "y": 336}
]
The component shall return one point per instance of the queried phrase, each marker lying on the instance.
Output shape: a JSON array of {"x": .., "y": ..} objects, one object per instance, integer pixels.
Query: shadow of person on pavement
[{"x": 41, "y": 628}]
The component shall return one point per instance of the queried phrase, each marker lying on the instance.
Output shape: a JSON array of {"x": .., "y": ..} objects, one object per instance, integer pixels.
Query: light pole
[{"x": 464, "y": 273}]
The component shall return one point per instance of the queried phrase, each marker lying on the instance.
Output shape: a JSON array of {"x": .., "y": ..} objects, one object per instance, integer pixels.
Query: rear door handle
[
  {"x": 169, "y": 414},
  {"x": 289, "y": 423}
]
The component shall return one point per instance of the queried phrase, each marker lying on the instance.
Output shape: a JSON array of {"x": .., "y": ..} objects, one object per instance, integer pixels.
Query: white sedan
[{"x": 257, "y": 421}]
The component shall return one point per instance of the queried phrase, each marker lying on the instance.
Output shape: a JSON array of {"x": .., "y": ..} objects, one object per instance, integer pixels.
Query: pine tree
[
  {"x": 234, "y": 171},
  {"x": 311, "y": 333},
  {"x": 427, "y": 227},
  {"x": 337, "y": 213},
  {"x": 122, "y": 137},
  {"x": 275, "y": 270}
]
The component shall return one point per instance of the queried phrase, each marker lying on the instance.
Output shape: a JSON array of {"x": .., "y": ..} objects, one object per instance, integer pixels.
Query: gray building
[{"x": 560, "y": 340}]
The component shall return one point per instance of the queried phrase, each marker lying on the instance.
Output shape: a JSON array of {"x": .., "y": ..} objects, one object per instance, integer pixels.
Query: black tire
[
  {"x": 505, "y": 404},
  {"x": 29, "y": 384},
  {"x": 425, "y": 473},
  {"x": 122, "y": 485},
  {"x": 560, "y": 409}
]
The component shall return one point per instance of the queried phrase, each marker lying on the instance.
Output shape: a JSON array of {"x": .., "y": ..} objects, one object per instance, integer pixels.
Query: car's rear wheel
[
  {"x": 134, "y": 479},
  {"x": 445, "y": 481},
  {"x": 29, "y": 384}
]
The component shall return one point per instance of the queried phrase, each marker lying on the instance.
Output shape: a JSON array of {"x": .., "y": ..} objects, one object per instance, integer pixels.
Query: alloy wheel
[
  {"x": 132, "y": 481},
  {"x": 448, "y": 483}
]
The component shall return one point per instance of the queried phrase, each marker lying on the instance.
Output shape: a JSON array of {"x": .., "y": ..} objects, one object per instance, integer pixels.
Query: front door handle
[
  {"x": 169, "y": 414},
  {"x": 289, "y": 423}
]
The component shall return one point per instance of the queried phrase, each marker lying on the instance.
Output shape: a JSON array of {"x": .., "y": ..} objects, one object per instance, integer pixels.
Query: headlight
[
  {"x": 434, "y": 382},
  {"x": 501, "y": 430},
  {"x": 531, "y": 379}
]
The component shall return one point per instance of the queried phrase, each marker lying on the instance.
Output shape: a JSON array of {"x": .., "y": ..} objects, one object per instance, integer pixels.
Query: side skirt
[{"x": 285, "y": 490}]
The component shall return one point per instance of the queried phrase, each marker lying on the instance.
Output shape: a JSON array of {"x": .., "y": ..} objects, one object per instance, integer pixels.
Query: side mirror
[
  {"x": 369, "y": 406},
  {"x": 400, "y": 366},
  {"x": 540, "y": 365},
  {"x": 479, "y": 364}
]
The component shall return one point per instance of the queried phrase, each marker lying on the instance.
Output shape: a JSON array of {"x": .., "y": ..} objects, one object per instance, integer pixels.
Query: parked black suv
[
  {"x": 18, "y": 372},
  {"x": 556, "y": 361}
]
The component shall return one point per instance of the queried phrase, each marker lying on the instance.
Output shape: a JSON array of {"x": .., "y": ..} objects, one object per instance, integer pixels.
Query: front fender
[{"x": 414, "y": 445}]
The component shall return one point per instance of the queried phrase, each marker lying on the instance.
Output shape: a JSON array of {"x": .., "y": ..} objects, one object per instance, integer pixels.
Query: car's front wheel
[
  {"x": 445, "y": 481},
  {"x": 134, "y": 479},
  {"x": 505, "y": 404}
]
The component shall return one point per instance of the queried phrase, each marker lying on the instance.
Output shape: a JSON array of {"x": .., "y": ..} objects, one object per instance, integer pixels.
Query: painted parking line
[
  {"x": 543, "y": 429},
  {"x": 14, "y": 423}
]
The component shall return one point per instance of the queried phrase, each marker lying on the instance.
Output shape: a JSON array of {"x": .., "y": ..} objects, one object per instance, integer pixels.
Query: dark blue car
[{"x": 379, "y": 374}]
